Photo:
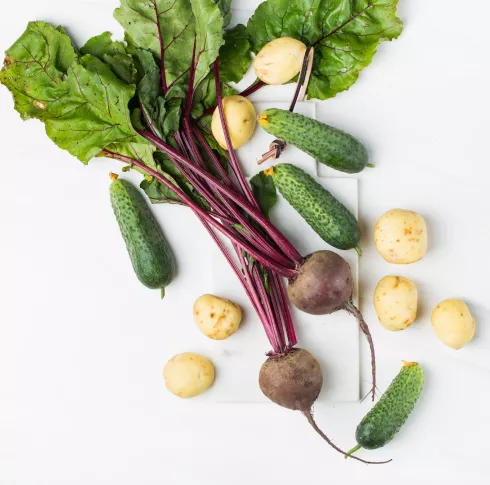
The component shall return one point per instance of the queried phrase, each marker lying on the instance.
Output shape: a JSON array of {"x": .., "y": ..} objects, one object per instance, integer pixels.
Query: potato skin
[
  {"x": 188, "y": 375},
  {"x": 395, "y": 302},
  {"x": 241, "y": 119},
  {"x": 279, "y": 60},
  {"x": 453, "y": 323},
  {"x": 215, "y": 317},
  {"x": 400, "y": 236}
]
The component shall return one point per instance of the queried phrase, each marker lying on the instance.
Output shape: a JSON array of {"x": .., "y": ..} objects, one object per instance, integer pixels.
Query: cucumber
[
  {"x": 326, "y": 144},
  {"x": 386, "y": 418},
  {"x": 330, "y": 219},
  {"x": 152, "y": 259}
]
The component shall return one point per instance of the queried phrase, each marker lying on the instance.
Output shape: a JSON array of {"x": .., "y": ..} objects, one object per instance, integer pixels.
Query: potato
[
  {"x": 188, "y": 375},
  {"x": 400, "y": 236},
  {"x": 453, "y": 323},
  {"x": 395, "y": 302},
  {"x": 215, "y": 317},
  {"x": 279, "y": 60},
  {"x": 241, "y": 119}
]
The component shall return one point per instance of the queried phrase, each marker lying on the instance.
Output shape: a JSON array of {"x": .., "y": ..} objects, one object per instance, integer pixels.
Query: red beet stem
[
  {"x": 258, "y": 84},
  {"x": 255, "y": 213},
  {"x": 267, "y": 262},
  {"x": 250, "y": 233}
]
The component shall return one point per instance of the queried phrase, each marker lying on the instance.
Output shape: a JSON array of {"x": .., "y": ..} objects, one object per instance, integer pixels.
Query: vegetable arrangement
[
  {"x": 161, "y": 104},
  {"x": 400, "y": 236}
]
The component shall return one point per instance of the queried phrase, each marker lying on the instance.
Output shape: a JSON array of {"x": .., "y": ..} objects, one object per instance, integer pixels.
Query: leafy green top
[
  {"x": 345, "y": 34},
  {"x": 96, "y": 99},
  {"x": 264, "y": 191},
  {"x": 169, "y": 29},
  {"x": 234, "y": 55},
  {"x": 82, "y": 103},
  {"x": 114, "y": 54},
  {"x": 92, "y": 102}
]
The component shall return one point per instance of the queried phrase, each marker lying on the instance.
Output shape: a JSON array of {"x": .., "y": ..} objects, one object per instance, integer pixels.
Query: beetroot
[
  {"x": 324, "y": 285},
  {"x": 294, "y": 380}
]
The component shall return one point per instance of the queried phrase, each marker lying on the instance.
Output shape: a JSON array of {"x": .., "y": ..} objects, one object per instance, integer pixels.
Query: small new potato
[
  {"x": 217, "y": 318},
  {"x": 400, "y": 236},
  {"x": 453, "y": 323},
  {"x": 279, "y": 60},
  {"x": 188, "y": 375},
  {"x": 395, "y": 302},
  {"x": 241, "y": 119}
]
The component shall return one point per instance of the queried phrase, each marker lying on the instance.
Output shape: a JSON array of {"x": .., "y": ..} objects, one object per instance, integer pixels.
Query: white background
[{"x": 422, "y": 110}]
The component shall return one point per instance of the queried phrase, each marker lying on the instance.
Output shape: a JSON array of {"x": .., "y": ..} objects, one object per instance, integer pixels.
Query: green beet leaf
[
  {"x": 345, "y": 34},
  {"x": 159, "y": 193},
  {"x": 163, "y": 112},
  {"x": 169, "y": 29},
  {"x": 114, "y": 54},
  {"x": 205, "y": 95},
  {"x": 35, "y": 66},
  {"x": 102, "y": 45},
  {"x": 235, "y": 54},
  {"x": 264, "y": 191},
  {"x": 138, "y": 151},
  {"x": 82, "y": 103},
  {"x": 225, "y": 7}
]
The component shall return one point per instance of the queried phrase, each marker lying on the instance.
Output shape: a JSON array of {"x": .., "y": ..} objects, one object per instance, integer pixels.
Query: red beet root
[
  {"x": 294, "y": 381},
  {"x": 324, "y": 285}
]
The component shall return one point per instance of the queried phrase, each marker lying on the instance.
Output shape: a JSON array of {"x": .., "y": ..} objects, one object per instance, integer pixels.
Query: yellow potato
[
  {"x": 188, "y": 375},
  {"x": 215, "y": 317},
  {"x": 279, "y": 60},
  {"x": 395, "y": 302},
  {"x": 453, "y": 323},
  {"x": 241, "y": 119},
  {"x": 400, "y": 236}
]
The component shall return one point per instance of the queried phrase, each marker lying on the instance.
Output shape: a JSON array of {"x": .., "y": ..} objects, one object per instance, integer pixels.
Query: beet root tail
[
  {"x": 309, "y": 416},
  {"x": 352, "y": 309}
]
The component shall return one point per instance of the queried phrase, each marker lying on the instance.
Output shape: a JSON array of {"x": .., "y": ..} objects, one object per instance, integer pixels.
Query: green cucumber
[
  {"x": 389, "y": 414},
  {"x": 326, "y": 144},
  {"x": 152, "y": 259},
  {"x": 330, "y": 219}
]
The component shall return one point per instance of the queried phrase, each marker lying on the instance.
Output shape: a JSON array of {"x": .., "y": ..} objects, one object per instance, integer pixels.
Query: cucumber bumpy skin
[
  {"x": 152, "y": 258},
  {"x": 389, "y": 414},
  {"x": 326, "y": 144},
  {"x": 330, "y": 219}
]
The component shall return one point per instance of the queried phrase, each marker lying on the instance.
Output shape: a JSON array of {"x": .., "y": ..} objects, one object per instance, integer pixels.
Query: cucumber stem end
[
  {"x": 269, "y": 171},
  {"x": 262, "y": 119},
  {"x": 353, "y": 450}
]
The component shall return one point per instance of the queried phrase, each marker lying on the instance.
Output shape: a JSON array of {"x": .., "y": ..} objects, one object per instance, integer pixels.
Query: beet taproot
[
  {"x": 294, "y": 381},
  {"x": 323, "y": 285}
]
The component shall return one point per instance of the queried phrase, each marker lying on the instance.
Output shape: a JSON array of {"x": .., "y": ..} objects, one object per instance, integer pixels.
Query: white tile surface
[{"x": 82, "y": 344}]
